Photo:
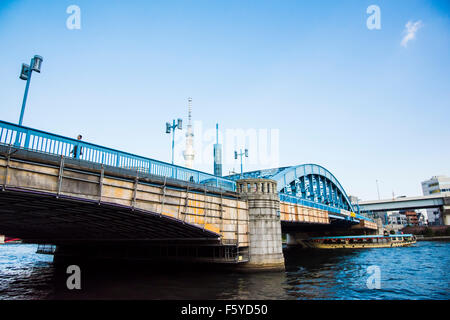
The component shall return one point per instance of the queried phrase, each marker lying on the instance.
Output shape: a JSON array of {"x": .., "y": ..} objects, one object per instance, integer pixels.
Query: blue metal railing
[{"x": 49, "y": 143}]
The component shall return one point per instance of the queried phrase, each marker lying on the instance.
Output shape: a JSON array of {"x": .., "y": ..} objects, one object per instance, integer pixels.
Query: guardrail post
[
  {"x": 18, "y": 140},
  {"x": 102, "y": 175},
  {"x": 6, "y": 170},
  {"x": 60, "y": 176},
  {"x": 27, "y": 140}
]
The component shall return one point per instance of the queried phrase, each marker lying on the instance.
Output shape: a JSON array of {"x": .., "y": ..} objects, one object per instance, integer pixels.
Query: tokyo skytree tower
[{"x": 189, "y": 152}]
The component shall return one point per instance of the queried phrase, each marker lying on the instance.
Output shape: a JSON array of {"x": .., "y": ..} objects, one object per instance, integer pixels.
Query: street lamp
[
  {"x": 25, "y": 74},
  {"x": 236, "y": 154},
  {"x": 172, "y": 127}
]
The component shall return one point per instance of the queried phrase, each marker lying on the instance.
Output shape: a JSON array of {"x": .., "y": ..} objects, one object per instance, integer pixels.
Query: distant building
[
  {"x": 374, "y": 215},
  {"x": 384, "y": 217},
  {"x": 353, "y": 200},
  {"x": 397, "y": 218},
  {"x": 411, "y": 218},
  {"x": 437, "y": 184},
  {"x": 422, "y": 217}
]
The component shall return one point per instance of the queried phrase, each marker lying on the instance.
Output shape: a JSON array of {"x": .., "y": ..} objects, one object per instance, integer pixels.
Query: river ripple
[{"x": 417, "y": 272}]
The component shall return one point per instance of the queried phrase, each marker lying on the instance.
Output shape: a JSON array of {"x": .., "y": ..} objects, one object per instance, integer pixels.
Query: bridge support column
[
  {"x": 446, "y": 214},
  {"x": 291, "y": 239},
  {"x": 297, "y": 239},
  {"x": 265, "y": 243}
]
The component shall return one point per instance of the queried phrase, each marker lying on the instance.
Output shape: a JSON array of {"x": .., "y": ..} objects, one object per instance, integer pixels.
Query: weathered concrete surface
[
  {"x": 265, "y": 243},
  {"x": 291, "y": 212}
]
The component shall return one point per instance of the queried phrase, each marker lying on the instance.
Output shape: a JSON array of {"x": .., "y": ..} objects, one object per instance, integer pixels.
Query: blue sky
[{"x": 351, "y": 99}]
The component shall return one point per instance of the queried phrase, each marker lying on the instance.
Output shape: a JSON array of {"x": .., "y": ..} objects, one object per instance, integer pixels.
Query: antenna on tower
[
  {"x": 190, "y": 109},
  {"x": 217, "y": 133}
]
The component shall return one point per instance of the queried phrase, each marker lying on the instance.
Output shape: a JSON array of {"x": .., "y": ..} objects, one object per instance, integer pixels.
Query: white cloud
[{"x": 410, "y": 31}]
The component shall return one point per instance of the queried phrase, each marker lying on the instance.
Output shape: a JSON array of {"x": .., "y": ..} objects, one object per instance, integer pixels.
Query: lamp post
[
  {"x": 236, "y": 154},
  {"x": 172, "y": 127},
  {"x": 25, "y": 74}
]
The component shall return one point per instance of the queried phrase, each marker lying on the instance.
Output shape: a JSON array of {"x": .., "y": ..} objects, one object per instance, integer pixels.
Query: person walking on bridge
[{"x": 75, "y": 148}]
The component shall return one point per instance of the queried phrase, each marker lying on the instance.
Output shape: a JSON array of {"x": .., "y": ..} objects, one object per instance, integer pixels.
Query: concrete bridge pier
[
  {"x": 265, "y": 242},
  {"x": 446, "y": 213},
  {"x": 296, "y": 239}
]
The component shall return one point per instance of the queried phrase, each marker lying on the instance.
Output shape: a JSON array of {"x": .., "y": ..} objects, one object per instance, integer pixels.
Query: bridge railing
[{"x": 44, "y": 142}]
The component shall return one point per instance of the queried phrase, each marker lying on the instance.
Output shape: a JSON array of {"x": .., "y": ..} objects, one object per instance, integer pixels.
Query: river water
[{"x": 418, "y": 272}]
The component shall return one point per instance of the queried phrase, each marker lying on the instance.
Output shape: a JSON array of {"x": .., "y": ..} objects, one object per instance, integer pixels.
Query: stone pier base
[
  {"x": 446, "y": 215},
  {"x": 265, "y": 249}
]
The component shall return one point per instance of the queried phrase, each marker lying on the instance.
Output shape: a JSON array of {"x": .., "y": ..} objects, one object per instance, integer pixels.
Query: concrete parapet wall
[{"x": 297, "y": 213}]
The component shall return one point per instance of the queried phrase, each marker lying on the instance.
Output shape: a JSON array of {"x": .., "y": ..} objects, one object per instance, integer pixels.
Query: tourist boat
[
  {"x": 5, "y": 240},
  {"x": 350, "y": 242}
]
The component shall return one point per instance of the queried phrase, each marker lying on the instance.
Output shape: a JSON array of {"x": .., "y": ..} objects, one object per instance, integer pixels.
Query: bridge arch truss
[
  {"x": 307, "y": 181},
  {"x": 314, "y": 183}
]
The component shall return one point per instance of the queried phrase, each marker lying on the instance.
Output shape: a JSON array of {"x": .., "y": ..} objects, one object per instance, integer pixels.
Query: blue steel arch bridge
[
  {"x": 308, "y": 181},
  {"x": 310, "y": 185}
]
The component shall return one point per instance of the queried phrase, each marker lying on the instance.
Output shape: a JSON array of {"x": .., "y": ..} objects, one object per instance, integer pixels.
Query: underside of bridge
[
  {"x": 44, "y": 218},
  {"x": 89, "y": 230}
]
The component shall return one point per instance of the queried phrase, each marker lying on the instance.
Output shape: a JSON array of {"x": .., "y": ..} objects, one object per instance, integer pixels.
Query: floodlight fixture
[
  {"x": 36, "y": 63},
  {"x": 236, "y": 154},
  {"x": 171, "y": 128},
  {"x": 24, "y": 71},
  {"x": 25, "y": 74}
]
